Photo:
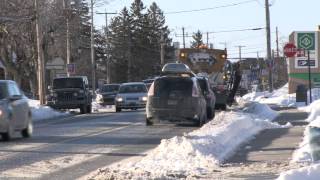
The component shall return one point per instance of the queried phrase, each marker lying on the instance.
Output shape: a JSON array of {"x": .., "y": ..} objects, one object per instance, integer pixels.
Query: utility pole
[
  {"x": 162, "y": 49},
  {"x": 107, "y": 42},
  {"x": 40, "y": 60},
  {"x": 207, "y": 39},
  {"x": 183, "y": 38},
  {"x": 268, "y": 43},
  {"x": 129, "y": 56},
  {"x": 66, "y": 10},
  {"x": 93, "y": 62},
  {"x": 277, "y": 41},
  {"x": 240, "y": 47}
]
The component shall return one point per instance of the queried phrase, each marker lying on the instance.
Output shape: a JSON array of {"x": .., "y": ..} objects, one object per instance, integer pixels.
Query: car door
[{"x": 19, "y": 106}]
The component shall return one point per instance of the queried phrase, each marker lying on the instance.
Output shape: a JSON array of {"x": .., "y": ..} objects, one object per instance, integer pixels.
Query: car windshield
[
  {"x": 133, "y": 88},
  {"x": 67, "y": 83},
  {"x": 173, "y": 87},
  {"x": 110, "y": 88},
  {"x": 3, "y": 91}
]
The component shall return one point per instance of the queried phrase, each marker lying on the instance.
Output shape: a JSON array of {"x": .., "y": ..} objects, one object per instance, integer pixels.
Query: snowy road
[{"x": 71, "y": 147}]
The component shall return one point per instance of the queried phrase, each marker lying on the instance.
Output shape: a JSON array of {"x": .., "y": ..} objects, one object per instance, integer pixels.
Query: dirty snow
[
  {"x": 197, "y": 152},
  {"x": 278, "y": 97},
  {"x": 39, "y": 169},
  {"x": 43, "y": 112},
  {"x": 306, "y": 173}
]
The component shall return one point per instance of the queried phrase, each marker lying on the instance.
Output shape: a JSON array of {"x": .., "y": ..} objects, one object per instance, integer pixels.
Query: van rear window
[{"x": 173, "y": 87}]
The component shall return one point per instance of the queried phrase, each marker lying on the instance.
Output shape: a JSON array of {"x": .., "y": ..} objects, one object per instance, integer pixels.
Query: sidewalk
[{"x": 272, "y": 147}]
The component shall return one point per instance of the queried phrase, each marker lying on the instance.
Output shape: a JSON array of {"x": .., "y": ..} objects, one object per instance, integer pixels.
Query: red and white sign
[
  {"x": 71, "y": 68},
  {"x": 290, "y": 50}
]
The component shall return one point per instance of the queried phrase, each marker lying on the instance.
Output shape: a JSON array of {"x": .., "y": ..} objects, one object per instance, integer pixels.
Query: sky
[{"x": 287, "y": 15}]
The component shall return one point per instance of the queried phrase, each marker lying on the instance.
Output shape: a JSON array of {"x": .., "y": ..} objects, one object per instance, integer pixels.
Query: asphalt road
[{"x": 71, "y": 147}]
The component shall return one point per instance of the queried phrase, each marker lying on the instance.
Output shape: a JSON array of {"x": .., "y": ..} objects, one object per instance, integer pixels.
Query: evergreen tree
[
  {"x": 137, "y": 54},
  {"x": 197, "y": 40}
]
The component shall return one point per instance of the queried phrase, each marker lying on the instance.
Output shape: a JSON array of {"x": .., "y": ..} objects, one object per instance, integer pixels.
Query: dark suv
[
  {"x": 70, "y": 93},
  {"x": 209, "y": 95},
  {"x": 176, "y": 99}
]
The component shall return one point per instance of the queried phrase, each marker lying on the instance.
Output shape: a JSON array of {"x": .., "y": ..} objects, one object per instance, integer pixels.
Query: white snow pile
[
  {"x": 199, "y": 152},
  {"x": 43, "y": 112},
  {"x": 306, "y": 173},
  {"x": 309, "y": 149},
  {"x": 278, "y": 97}
]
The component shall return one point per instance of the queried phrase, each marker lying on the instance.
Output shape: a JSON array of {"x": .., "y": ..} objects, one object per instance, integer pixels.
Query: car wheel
[
  {"x": 223, "y": 107},
  {"x": 27, "y": 132},
  {"x": 118, "y": 109},
  {"x": 148, "y": 122},
  {"x": 7, "y": 136},
  {"x": 83, "y": 109},
  {"x": 213, "y": 113},
  {"x": 209, "y": 113},
  {"x": 89, "y": 108}
]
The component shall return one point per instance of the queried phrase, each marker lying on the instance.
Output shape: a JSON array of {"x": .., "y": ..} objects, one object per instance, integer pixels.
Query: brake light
[
  {"x": 151, "y": 90},
  {"x": 221, "y": 87},
  {"x": 195, "y": 91}
]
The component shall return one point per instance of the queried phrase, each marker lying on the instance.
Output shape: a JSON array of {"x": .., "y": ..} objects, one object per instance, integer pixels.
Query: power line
[
  {"x": 227, "y": 31},
  {"x": 210, "y": 8}
]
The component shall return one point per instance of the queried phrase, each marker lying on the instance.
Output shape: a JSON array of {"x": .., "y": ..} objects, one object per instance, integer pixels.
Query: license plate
[{"x": 172, "y": 102}]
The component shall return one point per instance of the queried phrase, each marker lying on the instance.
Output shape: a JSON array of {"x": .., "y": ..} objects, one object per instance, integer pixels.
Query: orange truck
[{"x": 213, "y": 64}]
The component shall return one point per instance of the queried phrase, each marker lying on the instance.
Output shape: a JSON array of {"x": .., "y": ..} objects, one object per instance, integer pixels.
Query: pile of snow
[
  {"x": 198, "y": 152},
  {"x": 96, "y": 107},
  {"x": 306, "y": 148},
  {"x": 308, "y": 173},
  {"x": 278, "y": 97},
  {"x": 43, "y": 112},
  {"x": 309, "y": 149}
]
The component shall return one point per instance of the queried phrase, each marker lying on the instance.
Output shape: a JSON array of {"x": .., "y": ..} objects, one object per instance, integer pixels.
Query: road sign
[
  {"x": 290, "y": 50},
  {"x": 305, "y": 62},
  {"x": 71, "y": 68},
  {"x": 306, "y": 41}
]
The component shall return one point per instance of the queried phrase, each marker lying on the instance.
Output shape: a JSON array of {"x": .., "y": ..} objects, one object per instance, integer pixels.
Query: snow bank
[
  {"x": 309, "y": 149},
  {"x": 312, "y": 131},
  {"x": 278, "y": 97},
  {"x": 43, "y": 112},
  {"x": 307, "y": 173},
  {"x": 199, "y": 151}
]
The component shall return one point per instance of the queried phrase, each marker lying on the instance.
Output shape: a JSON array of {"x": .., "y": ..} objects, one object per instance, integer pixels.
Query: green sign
[{"x": 306, "y": 41}]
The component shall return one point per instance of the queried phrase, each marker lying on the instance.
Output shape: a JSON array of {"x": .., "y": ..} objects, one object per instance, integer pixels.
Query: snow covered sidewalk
[
  {"x": 199, "y": 152},
  {"x": 43, "y": 112}
]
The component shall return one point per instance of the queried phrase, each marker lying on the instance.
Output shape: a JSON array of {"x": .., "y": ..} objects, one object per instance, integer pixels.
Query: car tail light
[
  {"x": 221, "y": 87},
  {"x": 151, "y": 90},
  {"x": 195, "y": 92}
]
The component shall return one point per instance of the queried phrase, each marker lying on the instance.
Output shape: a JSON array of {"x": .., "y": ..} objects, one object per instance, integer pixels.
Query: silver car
[
  {"x": 131, "y": 96},
  {"x": 15, "y": 113}
]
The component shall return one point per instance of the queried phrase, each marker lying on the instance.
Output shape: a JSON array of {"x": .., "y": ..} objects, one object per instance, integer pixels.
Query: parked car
[
  {"x": 131, "y": 96},
  {"x": 70, "y": 93},
  {"x": 209, "y": 96},
  {"x": 176, "y": 98},
  {"x": 107, "y": 93},
  {"x": 15, "y": 113}
]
